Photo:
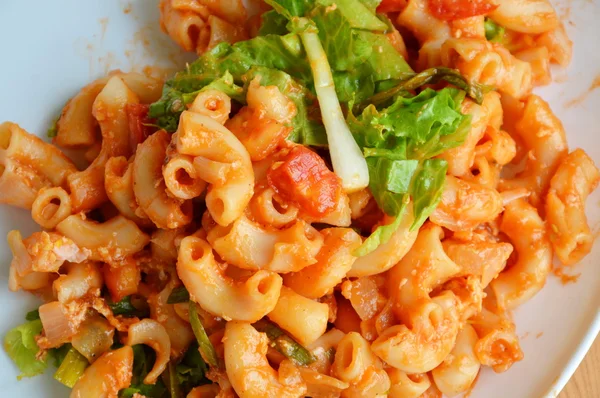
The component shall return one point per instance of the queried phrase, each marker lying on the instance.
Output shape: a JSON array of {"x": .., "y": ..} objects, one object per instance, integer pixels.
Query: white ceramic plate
[{"x": 50, "y": 49}]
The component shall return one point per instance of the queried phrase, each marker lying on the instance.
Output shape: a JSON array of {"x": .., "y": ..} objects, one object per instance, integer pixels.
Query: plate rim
[{"x": 575, "y": 357}]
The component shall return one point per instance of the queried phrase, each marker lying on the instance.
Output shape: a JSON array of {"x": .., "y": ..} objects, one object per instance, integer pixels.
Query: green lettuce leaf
[
  {"x": 291, "y": 8},
  {"x": 417, "y": 127},
  {"x": 223, "y": 68},
  {"x": 371, "y": 5},
  {"x": 173, "y": 102},
  {"x": 427, "y": 188},
  {"x": 20, "y": 345},
  {"x": 358, "y": 15},
  {"x": 386, "y": 63},
  {"x": 398, "y": 173},
  {"x": 360, "y": 56},
  {"x": 383, "y": 233},
  {"x": 379, "y": 176},
  {"x": 273, "y": 23},
  {"x": 399, "y": 143},
  {"x": 271, "y": 51},
  {"x": 342, "y": 43},
  {"x": 398, "y": 131}
]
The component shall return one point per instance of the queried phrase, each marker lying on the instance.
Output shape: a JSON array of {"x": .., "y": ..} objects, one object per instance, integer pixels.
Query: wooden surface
[{"x": 585, "y": 383}]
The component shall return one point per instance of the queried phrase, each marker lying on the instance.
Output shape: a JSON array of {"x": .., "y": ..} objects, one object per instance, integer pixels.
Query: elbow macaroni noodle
[
  {"x": 200, "y": 25},
  {"x": 419, "y": 316}
]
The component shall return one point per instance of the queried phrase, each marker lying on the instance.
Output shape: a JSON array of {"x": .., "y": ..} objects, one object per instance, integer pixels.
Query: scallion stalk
[{"x": 71, "y": 368}]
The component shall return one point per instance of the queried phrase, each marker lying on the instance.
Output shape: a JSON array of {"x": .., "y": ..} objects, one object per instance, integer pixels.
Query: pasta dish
[{"x": 338, "y": 198}]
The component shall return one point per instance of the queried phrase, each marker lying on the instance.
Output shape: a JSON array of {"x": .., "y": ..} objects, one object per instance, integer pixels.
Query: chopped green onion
[
  {"x": 71, "y": 368},
  {"x": 179, "y": 295},
  {"x": 283, "y": 343},
  {"x": 58, "y": 354},
  {"x": 493, "y": 32},
  {"x": 174, "y": 388},
  {"x": 205, "y": 346},
  {"x": 126, "y": 308}
]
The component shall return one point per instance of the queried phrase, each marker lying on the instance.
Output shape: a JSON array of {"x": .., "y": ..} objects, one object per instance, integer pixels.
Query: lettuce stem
[{"x": 346, "y": 157}]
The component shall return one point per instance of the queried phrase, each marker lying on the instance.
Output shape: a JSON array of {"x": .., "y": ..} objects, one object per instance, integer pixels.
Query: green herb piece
[
  {"x": 174, "y": 387},
  {"x": 205, "y": 346},
  {"x": 283, "y": 343},
  {"x": 412, "y": 81},
  {"x": 126, "y": 308},
  {"x": 179, "y": 295},
  {"x": 191, "y": 371},
  {"x": 143, "y": 360}
]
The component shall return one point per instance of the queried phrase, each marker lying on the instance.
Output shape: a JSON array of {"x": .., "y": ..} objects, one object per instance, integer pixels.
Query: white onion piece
[{"x": 58, "y": 327}]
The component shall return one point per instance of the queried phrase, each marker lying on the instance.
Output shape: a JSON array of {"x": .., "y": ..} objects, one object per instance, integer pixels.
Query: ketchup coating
[
  {"x": 139, "y": 124},
  {"x": 391, "y": 6},
  {"x": 450, "y": 10}
]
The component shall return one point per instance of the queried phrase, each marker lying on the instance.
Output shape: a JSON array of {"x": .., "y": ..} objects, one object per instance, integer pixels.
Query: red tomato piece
[
  {"x": 391, "y": 6},
  {"x": 304, "y": 180},
  {"x": 450, "y": 10},
  {"x": 140, "y": 125},
  {"x": 121, "y": 280}
]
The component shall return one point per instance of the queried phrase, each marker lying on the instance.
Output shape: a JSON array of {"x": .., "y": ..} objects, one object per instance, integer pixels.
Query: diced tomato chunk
[
  {"x": 304, "y": 180},
  {"x": 450, "y": 10},
  {"x": 121, "y": 280},
  {"x": 140, "y": 125},
  {"x": 391, "y": 6}
]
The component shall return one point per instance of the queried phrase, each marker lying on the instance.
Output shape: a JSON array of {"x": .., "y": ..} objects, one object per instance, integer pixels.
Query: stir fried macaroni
[{"x": 340, "y": 198}]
